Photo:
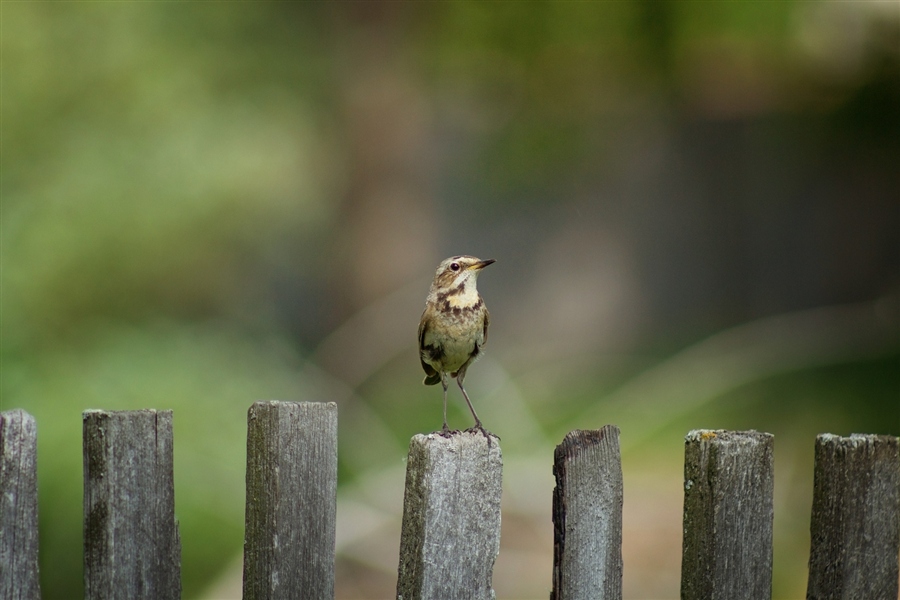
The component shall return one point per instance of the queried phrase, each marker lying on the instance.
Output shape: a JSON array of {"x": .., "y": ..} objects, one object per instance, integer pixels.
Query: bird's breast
[
  {"x": 455, "y": 332},
  {"x": 464, "y": 314}
]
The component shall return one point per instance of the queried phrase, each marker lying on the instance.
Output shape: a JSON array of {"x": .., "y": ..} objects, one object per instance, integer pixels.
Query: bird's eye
[{"x": 454, "y": 266}]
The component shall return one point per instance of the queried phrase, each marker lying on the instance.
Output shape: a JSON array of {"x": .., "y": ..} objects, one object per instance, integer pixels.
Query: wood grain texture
[
  {"x": 18, "y": 507},
  {"x": 131, "y": 545},
  {"x": 291, "y": 500},
  {"x": 451, "y": 518},
  {"x": 855, "y": 525},
  {"x": 728, "y": 507},
  {"x": 587, "y": 516}
]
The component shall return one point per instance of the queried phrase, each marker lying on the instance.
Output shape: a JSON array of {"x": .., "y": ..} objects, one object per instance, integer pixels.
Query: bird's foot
[
  {"x": 479, "y": 428},
  {"x": 446, "y": 432}
]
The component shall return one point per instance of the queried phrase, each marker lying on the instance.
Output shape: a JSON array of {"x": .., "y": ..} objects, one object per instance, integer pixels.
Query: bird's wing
[
  {"x": 423, "y": 328},
  {"x": 430, "y": 372},
  {"x": 487, "y": 321}
]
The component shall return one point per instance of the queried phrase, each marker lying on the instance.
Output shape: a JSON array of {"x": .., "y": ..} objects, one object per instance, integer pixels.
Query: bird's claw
[
  {"x": 446, "y": 432},
  {"x": 479, "y": 428}
]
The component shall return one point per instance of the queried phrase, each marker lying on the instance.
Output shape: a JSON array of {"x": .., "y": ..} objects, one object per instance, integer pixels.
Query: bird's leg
[
  {"x": 445, "y": 430},
  {"x": 478, "y": 426}
]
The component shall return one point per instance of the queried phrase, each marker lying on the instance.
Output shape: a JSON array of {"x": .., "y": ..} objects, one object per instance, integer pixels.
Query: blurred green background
[{"x": 694, "y": 207}]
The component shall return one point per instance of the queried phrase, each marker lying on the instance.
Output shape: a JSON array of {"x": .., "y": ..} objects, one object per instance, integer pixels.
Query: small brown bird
[{"x": 453, "y": 328}]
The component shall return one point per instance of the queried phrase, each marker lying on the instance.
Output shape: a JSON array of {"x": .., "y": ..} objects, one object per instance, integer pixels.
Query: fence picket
[
  {"x": 450, "y": 534},
  {"x": 855, "y": 524},
  {"x": 728, "y": 486},
  {"x": 291, "y": 500},
  {"x": 18, "y": 507},
  {"x": 587, "y": 516},
  {"x": 451, "y": 518},
  {"x": 131, "y": 544}
]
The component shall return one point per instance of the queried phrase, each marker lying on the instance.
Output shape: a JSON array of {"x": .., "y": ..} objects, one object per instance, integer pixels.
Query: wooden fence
[{"x": 451, "y": 515}]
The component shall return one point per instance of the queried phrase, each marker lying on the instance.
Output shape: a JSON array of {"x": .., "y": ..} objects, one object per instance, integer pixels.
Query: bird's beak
[{"x": 482, "y": 264}]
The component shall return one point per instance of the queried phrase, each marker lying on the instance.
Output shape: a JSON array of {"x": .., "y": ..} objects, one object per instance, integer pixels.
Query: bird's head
[{"x": 457, "y": 272}]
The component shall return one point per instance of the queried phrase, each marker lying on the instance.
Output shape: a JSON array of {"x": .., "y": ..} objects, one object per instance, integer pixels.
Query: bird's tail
[{"x": 433, "y": 379}]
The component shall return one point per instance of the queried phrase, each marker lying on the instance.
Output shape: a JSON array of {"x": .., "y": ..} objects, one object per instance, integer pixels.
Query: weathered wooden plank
[
  {"x": 451, "y": 518},
  {"x": 855, "y": 525},
  {"x": 291, "y": 500},
  {"x": 18, "y": 507},
  {"x": 728, "y": 486},
  {"x": 131, "y": 544},
  {"x": 587, "y": 516}
]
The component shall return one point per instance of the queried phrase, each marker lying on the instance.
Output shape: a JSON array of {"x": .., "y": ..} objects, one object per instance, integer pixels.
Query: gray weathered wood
[
  {"x": 728, "y": 485},
  {"x": 587, "y": 516},
  {"x": 855, "y": 525},
  {"x": 451, "y": 518},
  {"x": 291, "y": 500},
  {"x": 131, "y": 545},
  {"x": 18, "y": 507}
]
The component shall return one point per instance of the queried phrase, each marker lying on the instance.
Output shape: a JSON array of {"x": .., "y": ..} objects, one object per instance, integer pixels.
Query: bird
[{"x": 454, "y": 328}]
